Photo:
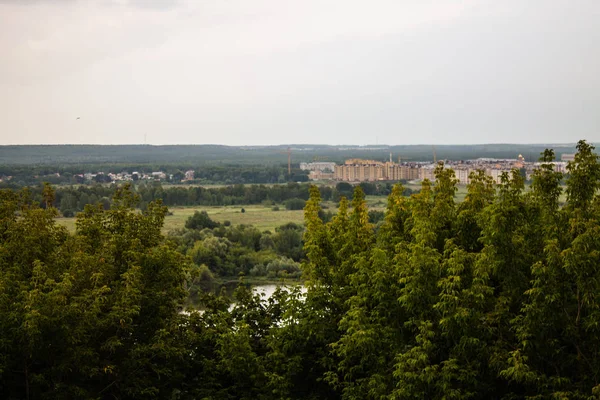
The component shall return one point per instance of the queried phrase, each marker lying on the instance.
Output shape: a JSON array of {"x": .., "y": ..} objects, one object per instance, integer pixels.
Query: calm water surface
[{"x": 266, "y": 290}]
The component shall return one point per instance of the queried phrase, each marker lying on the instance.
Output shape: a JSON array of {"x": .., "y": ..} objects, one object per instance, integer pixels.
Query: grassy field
[
  {"x": 67, "y": 222},
  {"x": 264, "y": 218}
]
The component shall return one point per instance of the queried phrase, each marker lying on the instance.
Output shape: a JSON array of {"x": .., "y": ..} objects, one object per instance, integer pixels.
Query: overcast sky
[{"x": 245, "y": 72}]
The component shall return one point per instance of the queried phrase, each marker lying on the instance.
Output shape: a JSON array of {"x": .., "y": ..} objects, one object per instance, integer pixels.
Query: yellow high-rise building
[{"x": 357, "y": 170}]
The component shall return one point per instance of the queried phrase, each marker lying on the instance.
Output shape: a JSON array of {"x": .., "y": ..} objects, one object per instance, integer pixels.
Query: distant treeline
[
  {"x": 65, "y": 174},
  {"x": 195, "y": 155},
  {"x": 70, "y": 200}
]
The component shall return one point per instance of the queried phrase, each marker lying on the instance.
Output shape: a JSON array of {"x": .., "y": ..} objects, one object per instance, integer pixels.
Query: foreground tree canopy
[{"x": 493, "y": 298}]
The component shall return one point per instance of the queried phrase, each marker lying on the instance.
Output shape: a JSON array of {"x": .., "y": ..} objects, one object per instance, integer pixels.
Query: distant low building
[
  {"x": 567, "y": 157},
  {"x": 159, "y": 175},
  {"x": 317, "y": 166},
  {"x": 189, "y": 175},
  {"x": 320, "y": 175}
]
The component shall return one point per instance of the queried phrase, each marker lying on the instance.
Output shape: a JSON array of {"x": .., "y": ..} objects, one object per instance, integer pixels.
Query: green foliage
[
  {"x": 216, "y": 159},
  {"x": 294, "y": 204},
  {"x": 376, "y": 216},
  {"x": 75, "y": 198},
  {"x": 483, "y": 300},
  {"x": 283, "y": 268},
  {"x": 200, "y": 220},
  {"x": 85, "y": 316},
  {"x": 494, "y": 298},
  {"x": 227, "y": 251}
]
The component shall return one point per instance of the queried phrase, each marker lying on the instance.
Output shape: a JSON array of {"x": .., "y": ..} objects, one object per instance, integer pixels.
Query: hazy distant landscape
[{"x": 213, "y": 154}]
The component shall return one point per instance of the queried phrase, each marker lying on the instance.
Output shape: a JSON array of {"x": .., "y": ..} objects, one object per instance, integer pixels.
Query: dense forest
[
  {"x": 497, "y": 297},
  {"x": 200, "y": 155}
]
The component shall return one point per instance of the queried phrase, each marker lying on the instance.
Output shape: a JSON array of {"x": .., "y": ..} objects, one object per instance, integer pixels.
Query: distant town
[
  {"x": 353, "y": 170},
  {"x": 359, "y": 170},
  {"x": 102, "y": 177}
]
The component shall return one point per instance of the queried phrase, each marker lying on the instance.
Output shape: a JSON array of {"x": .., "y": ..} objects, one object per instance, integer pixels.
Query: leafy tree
[
  {"x": 294, "y": 204},
  {"x": 200, "y": 220},
  {"x": 85, "y": 316}
]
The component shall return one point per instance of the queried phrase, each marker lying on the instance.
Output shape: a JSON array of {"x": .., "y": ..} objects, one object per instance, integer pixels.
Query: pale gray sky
[{"x": 303, "y": 71}]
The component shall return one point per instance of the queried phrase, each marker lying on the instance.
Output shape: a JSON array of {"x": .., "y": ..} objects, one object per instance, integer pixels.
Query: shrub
[
  {"x": 258, "y": 270},
  {"x": 200, "y": 220},
  {"x": 295, "y": 204},
  {"x": 376, "y": 216},
  {"x": 204, "y": 274},
  {"x": 283, "y": 267}
]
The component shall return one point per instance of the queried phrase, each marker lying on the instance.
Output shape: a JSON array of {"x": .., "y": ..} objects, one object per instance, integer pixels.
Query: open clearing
[{"x": 264, "y": 218}]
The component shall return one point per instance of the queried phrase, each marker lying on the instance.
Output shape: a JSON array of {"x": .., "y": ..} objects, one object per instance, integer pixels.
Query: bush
[
  {"x": 283, "y": 267},
  {"x": 266, "y": 241},
  {"x": 243, "y": 211},
  {"x": 204, "y": 275},
  {"x": 68, "y": 213},
  {"x": 295, "y": 204},
  {"x": 258, "y": 270},
  {"x": 276, "y": 208},
  {"x": 376, "y": 216},
  {"x": 200, "y": 220},
  {"x": 326, "y": 216},
  {"x": 227, "y": 223},
  {"x": 288, "y": 240}
]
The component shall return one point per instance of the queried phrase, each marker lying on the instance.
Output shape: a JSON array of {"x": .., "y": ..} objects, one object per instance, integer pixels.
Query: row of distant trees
[{"x": 70, "y": 200}]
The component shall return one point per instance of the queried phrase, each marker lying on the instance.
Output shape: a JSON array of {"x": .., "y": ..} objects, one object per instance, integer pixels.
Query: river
[{"x": 266, "y": 289}]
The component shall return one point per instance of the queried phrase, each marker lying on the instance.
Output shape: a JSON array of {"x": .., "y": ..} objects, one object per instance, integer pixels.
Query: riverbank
[
  {"x": 256, "y": 281},
  {"x": 227, "y": 286}
]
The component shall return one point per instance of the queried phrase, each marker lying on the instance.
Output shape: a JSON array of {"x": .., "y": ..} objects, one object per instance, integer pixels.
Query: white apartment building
[{"x": 317, "y": 166}]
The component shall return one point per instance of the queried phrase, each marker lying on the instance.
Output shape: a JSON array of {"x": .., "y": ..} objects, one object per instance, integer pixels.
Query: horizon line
[{"x": 297, "y": 144}]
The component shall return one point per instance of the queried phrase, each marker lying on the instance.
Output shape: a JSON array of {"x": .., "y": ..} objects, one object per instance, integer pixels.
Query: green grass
[
  {"x": 378, "y": 203},
  {"x": 263, "y": 218},
  {"x": 69, "y": 223}
]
